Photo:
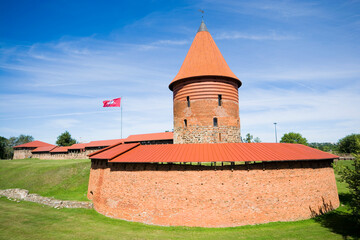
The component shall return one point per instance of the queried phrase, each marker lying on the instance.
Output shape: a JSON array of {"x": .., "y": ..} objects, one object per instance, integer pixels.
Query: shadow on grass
[{"x": 340, "y": 222}]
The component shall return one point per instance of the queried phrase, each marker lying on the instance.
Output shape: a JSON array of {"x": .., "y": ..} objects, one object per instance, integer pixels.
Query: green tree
[
  {"x": 65, "y": 139},
  {"x": 3, "y": 147},
  {"x": 350, "y": 144},
  {"x": 6, "y": 145},
  {"x": 292, "y": 137},
  {"x": 21, "y": 139},
  {"x": 327, "y": 147},
  {"x": 250, "y": 138},
  {"x": 351, "y": 175}
]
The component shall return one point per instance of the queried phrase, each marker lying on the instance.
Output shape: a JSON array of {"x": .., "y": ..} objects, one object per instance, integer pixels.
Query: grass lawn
[
  {"x": 26, "y": 220},
  {"x": 61, "y": 179}
]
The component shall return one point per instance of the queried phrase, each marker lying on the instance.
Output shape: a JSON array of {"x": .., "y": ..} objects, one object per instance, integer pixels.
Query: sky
[{"x": 299, "y": 62}]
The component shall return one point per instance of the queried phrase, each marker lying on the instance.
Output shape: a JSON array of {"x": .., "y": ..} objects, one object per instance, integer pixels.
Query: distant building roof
[
  {"x": 113, "y": 151},
  {"x": 34, "y": 144},
  {"x": 60, "y": 150},
  {"x": 150, "y": 137},
  {"x": 204, "y": 59},
  {"x": 78, "y": 146},
  {"x": 43, "y": 149},
  {"x": 219, "y": 152},
  {"x": 103, "y": 143}
]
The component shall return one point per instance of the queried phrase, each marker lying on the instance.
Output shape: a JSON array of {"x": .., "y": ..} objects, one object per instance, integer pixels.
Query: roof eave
[{"x": 171, "y": 85}]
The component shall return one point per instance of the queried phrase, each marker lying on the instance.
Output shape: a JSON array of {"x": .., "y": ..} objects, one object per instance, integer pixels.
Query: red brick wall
[
  {"x": 203, "y": 94},
  {"x": 178, "y": 195}
]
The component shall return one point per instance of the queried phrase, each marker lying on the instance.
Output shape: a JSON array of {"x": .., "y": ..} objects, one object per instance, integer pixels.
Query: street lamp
[{"x": 275, "y": 132}]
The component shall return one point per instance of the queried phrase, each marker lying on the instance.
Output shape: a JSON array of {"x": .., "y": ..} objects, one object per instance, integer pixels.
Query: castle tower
[{"x": 205, "y": 95}]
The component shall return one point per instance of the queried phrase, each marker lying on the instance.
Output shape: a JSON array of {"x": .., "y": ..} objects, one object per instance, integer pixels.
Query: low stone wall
[
  {"x": 41, "y": 155},
  {"x": 23, "y": 195},
  {"x": 79, "y": 155},
  {"x": 208, "y": 196},
  {"x": 22, "y": 153}
]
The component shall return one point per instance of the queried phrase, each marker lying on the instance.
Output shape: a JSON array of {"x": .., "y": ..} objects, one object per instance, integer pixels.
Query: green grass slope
[
  {"x": 29, "y": 220},
  {"x": 62, "y": 179},
  {"x": 67, "y": 179}
]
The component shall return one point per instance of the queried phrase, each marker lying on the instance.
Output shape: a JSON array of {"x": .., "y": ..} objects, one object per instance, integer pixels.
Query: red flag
[{"x": 112, "y": 103}]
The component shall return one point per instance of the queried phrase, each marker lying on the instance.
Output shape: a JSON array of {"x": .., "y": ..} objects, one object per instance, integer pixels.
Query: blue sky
[{"x": 299, "y": 62}]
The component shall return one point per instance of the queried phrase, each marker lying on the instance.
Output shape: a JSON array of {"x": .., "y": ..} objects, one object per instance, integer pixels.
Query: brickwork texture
[
  {"x": 196, "y": 104},
  {"x": 205, "y": 196}
]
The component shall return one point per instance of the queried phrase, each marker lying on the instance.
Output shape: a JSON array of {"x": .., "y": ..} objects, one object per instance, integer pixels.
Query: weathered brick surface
[
  {"x": 23, "y": 153},
  {"x": 60, "y": 156},
  {"x": 204, "y": 107},
  {"x": 213, "y": 196}
]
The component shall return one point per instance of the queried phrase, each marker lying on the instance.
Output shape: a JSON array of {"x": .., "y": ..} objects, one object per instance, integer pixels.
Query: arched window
[
  {"x": 188, "y": 101},
  {"x": 185, "y": 123},
  {"x": 215, "y": 120}
]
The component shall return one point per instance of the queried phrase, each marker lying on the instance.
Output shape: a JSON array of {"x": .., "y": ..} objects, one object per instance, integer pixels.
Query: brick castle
[{"x": 208, "y": 178}]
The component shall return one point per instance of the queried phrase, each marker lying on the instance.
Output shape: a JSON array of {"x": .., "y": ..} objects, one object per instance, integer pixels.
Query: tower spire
[{"x": 202, "y": 27}]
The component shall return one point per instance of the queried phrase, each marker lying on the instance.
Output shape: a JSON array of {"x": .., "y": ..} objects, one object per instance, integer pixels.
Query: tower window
[
  {"x": 215, "y": 120},
  {"x": 185, "y": 123},
  {"x": 188, "y": 101},
  {"x": 219, "y": 99}
]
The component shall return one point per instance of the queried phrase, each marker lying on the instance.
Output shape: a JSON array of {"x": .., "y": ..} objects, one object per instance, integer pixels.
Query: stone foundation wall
[
  {"x": 205, "y": 196},
  {"x": 198, "y": 134}
]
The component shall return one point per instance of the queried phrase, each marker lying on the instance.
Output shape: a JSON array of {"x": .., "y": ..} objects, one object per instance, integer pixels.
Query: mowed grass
[
  {"x": 26, "y": 220},
  {"x": 29, "y": 220},
  {"x": 61, "y": 179}
]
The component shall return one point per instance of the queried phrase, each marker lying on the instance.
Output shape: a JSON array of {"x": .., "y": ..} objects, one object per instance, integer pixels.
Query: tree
[
  {"x": 350, "y": 144},
  {"x": 65, "y": 139},
  {"x": 250, "y": 138},
  {"x": 21, "y": 139},
  {"x": 3, "y": 147},
  {"x": 292, "y": 137},
  {"x": 6, "y": 145},
  {"x": 326, "y": 146},
  {"x": 351, "y": 175}
]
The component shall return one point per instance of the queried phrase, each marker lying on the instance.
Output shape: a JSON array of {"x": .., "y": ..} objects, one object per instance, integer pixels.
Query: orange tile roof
[
  {"x": 33, "y": 144},
  {"x": 113, "y": 151},
  {"x": 78, "y": 146},
  {"x": 150, "y": 137},
  {"x": 103, "y": 143},
  {"x": 43, "y": 149},
  {"x": 220, "y": 152},
  {"x": 60, "y": 150},
  {"x": 204, "y": 59}
]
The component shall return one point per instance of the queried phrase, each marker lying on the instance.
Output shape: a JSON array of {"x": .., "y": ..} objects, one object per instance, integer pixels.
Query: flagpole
[{"x": 121, "y": 116}]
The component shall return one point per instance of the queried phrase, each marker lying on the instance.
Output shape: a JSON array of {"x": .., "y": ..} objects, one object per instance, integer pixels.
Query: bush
[{"x": 351, "y": 175}]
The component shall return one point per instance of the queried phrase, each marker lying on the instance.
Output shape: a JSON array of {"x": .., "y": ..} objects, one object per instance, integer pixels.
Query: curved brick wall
[
  {"x": 185, "y": 195},
  {"x": 203, "y": 94}
]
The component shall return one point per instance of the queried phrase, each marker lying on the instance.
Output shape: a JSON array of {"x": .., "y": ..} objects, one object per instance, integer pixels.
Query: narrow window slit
[{"x": 215, "y": 120}]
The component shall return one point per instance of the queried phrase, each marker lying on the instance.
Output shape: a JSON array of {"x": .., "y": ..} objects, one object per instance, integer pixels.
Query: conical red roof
[{"x": 204, "y": 59}]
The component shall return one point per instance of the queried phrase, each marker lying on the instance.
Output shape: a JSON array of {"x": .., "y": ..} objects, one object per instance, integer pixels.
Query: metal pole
[
  {"x": 121, "y": 116},
  {"x": 275, "y": 132}
]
